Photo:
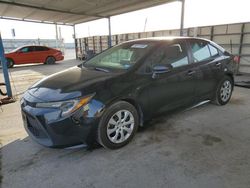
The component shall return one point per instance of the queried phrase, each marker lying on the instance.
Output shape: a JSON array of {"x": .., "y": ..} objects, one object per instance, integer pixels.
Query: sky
[{"x": 167, "y": 16}]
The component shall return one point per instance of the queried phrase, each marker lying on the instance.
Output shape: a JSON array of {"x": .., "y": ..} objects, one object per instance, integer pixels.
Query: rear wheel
[
  {"x": 50, "y": 60},
  {"x": 224, "y": 91},
  {"x": 118, "y": 125}
]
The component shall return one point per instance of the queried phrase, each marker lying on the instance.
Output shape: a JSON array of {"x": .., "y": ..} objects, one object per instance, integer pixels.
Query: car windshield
[
  {"x": 121, "y": 57},
  {"x": 16, "y": 49}
]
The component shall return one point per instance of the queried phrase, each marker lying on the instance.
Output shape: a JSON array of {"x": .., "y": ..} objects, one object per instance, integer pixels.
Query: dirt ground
[{"x": 206, "y": 147}]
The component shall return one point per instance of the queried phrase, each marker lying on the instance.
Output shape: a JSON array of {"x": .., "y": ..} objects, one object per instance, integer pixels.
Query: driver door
[{"x": 25, "y": 55}]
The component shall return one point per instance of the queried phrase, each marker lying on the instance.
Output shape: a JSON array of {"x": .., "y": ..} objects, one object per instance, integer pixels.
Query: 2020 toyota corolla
[{"x": 109, "y": 96}]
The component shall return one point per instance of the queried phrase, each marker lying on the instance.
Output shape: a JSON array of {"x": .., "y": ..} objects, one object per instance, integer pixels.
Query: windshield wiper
[{"x": 101, "y": 69}]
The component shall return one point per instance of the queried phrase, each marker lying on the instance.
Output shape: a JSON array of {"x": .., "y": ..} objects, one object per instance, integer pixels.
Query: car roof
[
  {"x": 24, "y": 46},
  {"x": 168, "y": 38}
]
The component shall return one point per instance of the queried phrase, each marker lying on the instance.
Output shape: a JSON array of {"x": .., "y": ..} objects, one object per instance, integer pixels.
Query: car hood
[
  {"x": 9, "y": 53},
  {"x": 71, "y": 83}
]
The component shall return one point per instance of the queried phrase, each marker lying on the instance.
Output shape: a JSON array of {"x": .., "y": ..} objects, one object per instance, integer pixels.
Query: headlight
[
  {"x": 21, "y": 101},
  {"x": 66, "y": 107}
]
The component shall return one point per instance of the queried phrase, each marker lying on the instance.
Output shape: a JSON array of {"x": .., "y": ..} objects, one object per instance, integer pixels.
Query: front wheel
[
  {"x": 10, "y": 63},
  {"x": 224, "y": 91},
  {"x": 118, "y": 125}
]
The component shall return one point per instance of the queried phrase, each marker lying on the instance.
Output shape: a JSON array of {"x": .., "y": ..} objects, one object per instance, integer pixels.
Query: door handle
[
  {"x": 217, "y": 64},
  {"x": 191, "y": 72}
]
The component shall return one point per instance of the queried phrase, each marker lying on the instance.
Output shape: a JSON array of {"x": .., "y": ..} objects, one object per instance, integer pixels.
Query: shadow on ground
[{"x": 45, "y": 69}]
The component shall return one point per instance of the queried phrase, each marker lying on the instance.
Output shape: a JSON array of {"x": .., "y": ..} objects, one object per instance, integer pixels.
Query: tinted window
[
  {"x": 172, "y": 55},
  {"x": 41, "y": 48}
]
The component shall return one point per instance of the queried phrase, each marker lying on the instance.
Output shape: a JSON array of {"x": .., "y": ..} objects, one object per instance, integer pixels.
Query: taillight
[{"x": 237, "y": 59}]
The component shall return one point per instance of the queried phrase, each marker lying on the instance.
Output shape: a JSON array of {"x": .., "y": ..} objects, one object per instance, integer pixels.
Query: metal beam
[
  {"x": 109, "y": 37},
  {"x": 33, "y": 21},
  {"x": 49, "y": 9},
  {"x": 182, "y": 16},
  {"x": 5, "y": 68}
]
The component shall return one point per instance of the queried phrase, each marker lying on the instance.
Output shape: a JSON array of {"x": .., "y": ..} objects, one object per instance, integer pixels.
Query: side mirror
[{"x": 160, "y": 69}]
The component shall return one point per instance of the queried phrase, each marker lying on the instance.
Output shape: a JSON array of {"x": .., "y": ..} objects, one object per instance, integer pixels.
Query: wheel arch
[
  {"x": 137, "y": 107},
  {"x": 131, "y": 101},
  {"x": 50, "y": 56},
  {"x": 231, "y": 76},
  {"x": 10, "y": 59}
]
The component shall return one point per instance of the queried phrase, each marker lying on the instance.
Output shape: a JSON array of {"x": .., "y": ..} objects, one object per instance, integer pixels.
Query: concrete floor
[{"x": 203, "y": 147}]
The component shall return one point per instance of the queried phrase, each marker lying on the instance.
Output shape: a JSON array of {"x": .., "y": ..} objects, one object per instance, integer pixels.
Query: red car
[{"x": 33, "y": 54}]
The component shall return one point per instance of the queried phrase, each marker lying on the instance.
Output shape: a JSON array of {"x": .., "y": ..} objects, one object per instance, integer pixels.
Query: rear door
[
  {"x": 40, "y": 54},
  {"x": 176, "y": 87},
  {"x": 209, "y": 62}
]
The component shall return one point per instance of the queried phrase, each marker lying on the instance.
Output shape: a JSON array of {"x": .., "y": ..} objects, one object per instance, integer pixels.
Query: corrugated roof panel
[{"x": 71, "y": 11}]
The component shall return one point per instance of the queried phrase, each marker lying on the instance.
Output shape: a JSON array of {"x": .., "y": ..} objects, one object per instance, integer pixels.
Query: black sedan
[{"x": 109, "y": 96}]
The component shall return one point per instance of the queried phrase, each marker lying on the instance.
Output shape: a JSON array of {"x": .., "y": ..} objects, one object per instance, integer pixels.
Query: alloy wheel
[
  {"x": 120, "y": 126},
  {"x": 225, "y": 91}
]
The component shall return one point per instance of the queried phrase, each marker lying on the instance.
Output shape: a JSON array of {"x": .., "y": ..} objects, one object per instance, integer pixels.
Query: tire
[
  {"x": 10, "y": 63},
  {"x": 224, "y": 91},
  {"x": 50, "y": 60},
  {"x": 111, "y": 127}
]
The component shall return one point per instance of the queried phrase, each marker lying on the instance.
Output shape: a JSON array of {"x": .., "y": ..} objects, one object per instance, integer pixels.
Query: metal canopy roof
[{"x": 70, "y": 12}]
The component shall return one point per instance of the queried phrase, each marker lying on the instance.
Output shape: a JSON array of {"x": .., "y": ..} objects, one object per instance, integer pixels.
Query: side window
[
  {"x": 40, "y": 48},
  {"x": 213, "y": 50},
  {"x": 31, "y": 48},
  {"x": 200, "y": 51},
  {"x": 24, "y": 50},
  {"x": 171, "y": 55}
]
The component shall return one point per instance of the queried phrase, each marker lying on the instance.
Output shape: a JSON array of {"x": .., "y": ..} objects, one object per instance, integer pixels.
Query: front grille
[{"x": 35, "y": 127}]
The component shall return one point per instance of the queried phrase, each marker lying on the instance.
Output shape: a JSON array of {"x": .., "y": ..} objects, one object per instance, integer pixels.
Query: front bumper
[{"x": 46, "y": 128}]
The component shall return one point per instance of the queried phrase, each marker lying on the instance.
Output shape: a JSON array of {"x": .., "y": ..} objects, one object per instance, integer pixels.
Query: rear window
[{"x": 202, "y": 50}]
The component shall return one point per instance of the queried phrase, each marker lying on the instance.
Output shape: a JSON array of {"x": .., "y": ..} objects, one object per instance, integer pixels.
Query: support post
[
  {"x": 240, "y": 47},
  {"x": 109, "y": 38},
  {"x": 56, "y": 35},
  {"x": 75, "y": 41},
  {"x": 182, "y": 16},
  {"x": 5, "y": 68},
  {"x": 212, "y": 33}
]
